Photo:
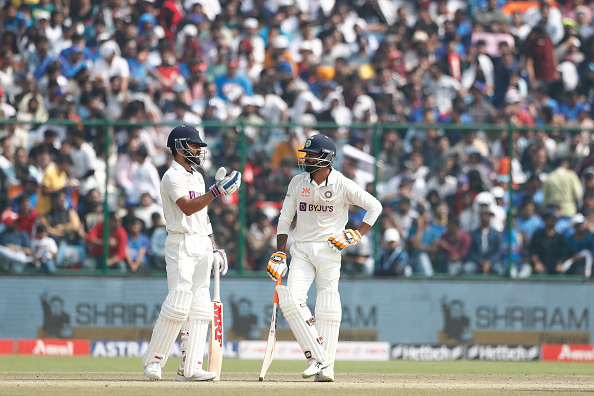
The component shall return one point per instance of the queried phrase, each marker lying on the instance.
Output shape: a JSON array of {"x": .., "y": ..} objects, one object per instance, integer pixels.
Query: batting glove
[
  {"x": 220, "y": 257},
  {"x": 227, "y": 186},
  {"x": 277, "y": 265},
  {"x": 343, "y": 239}
]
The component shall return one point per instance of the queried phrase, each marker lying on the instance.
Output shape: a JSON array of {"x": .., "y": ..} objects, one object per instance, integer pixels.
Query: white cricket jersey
[
  {"x": 176, "y": 183},
  {"x": 323, "y": 210}
]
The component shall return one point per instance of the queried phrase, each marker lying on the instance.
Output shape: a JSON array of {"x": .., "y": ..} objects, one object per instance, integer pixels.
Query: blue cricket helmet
[
  {"x": 321, "y": 145},
  {"x": 185, "y": 133},
  {"x": 179, "y": 141}
]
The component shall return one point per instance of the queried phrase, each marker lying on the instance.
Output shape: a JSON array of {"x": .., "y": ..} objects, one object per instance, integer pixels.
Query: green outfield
[{"x": 26, "y": 375}]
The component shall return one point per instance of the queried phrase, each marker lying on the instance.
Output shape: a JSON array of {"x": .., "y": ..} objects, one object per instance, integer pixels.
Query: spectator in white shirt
[
  {"x": 84, "y": 161},
  {"x": 146, "y": 179}
]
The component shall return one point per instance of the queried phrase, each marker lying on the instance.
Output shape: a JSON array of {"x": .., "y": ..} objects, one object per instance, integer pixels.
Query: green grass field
[{"x": 27, "y": 375}]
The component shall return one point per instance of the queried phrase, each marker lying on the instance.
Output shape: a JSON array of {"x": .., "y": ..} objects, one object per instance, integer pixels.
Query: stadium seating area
[{"x": 240, "y": 70}]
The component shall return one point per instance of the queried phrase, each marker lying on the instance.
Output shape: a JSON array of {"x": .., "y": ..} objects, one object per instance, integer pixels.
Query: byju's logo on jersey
[
  {"x": 193, "y": 194},
  {"x": 305, "y": 207},
  {"x": 306, "y": 192}
]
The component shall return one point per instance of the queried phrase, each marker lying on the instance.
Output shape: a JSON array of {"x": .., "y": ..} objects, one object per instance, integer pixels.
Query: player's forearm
[
  {"x": 194, "y": 205},
  {"x": 363, "y": 228},
  {"x": 281, "y": 242}
]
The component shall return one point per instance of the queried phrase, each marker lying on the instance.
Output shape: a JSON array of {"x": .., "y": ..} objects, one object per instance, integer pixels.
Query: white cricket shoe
[
  {"x": 199, "y": 375},
  {"x": 153, "y": 371},
  {"x": 326, "y": 375},
  {"x": 314, "y": 367}
]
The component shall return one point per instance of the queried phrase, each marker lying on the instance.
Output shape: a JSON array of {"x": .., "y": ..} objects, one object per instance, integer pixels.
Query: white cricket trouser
[
  {"x": 313, "y": 261},
  {"x": 185, "y": 271},
  {"x": 318, "y": 261}
]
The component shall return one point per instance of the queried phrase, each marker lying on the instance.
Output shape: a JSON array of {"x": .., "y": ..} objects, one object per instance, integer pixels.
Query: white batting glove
[
  {"x": 220, "y": 257},
  {"x": 277, "y": 265},
  {"x": 343, "y": 239},
  {"x": 227, "y": 186}
]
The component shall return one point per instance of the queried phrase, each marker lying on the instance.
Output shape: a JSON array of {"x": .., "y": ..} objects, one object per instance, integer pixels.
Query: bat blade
[
  {"x": 271, "y": 343},
  {"x": 215, "y": 350},
  {"x": 215, "y": 345}
]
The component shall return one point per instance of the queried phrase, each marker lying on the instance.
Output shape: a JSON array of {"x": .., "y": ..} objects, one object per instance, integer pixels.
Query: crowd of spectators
[{"x": 446, "y": 194}]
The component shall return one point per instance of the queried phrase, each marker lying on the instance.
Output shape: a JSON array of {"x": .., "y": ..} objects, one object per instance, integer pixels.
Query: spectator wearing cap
[
  {"x": 514, "y": 112},
  {"x": 15, "y": 245},
  {"x": 578, "y": 248},
  {"x": 393, "y": 258},
  {"x": 563, "y": 188},
  {"x": 250, "y": 29},
  {"x": 278, "y": 51},
  {"x": 112, "y": 64},
  {"x": 72, "y": 61},
  {"x": 484, "y": 255},
  {"x": 232, "y": 86},
  {"x": 547, "y": 246}
]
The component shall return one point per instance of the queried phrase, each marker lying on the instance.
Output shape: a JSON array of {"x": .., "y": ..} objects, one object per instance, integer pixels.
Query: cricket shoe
[
  {"x": 314, "y": 367},
  {"x": 326, "y": 375},
  {"x": 153, "y": 371},
  {"x": 199, "y": 375}
]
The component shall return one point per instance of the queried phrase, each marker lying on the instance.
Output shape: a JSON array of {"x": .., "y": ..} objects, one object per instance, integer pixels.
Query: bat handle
[{"x": 278, "y": 282}]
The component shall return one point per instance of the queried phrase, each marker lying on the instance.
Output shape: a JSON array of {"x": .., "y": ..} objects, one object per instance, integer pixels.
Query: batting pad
[
  {"x": 200, "y": 316},
  {"x": 174, "y": 313},
  {"x": 302, "y": 324},
  {"x": 328, "y": 317}
]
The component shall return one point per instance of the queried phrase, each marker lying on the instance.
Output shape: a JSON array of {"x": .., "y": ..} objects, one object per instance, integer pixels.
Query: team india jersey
[
  {"x": 322, "y": 210},
  {"x": 178, "y": 182}
]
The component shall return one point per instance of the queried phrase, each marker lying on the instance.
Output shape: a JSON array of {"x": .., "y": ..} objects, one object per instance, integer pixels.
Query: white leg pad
[
  {"x": 201, "y": 314},
  {"x": 185, "y": 334},
  {"x": 174, "y": 313},
  {"x": 302, "y": 324},
  {"x": 328, "y": 317}
]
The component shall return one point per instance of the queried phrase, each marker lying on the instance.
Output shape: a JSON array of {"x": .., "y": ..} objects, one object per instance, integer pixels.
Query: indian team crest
[
  {"x": 328, "y": 194},
  {"x": 308, "y": 143}
]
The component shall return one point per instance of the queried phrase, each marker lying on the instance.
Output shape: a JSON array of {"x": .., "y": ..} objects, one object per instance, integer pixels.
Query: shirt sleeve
[
  {"x": 357, "y": 196},
  {"x": 174, "y": 186},
  {"x": 289, "y": 209}
]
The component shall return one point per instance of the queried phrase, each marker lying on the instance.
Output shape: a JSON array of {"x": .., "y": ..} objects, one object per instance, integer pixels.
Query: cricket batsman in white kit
[
  {"x": 320, "y": 197},
  {"x": 190, "y": 252}
]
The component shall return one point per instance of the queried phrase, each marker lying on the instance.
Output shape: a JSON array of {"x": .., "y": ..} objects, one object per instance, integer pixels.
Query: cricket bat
[
  {"x": 215, "y": 347},
  {"x": 269, "y": 354}
]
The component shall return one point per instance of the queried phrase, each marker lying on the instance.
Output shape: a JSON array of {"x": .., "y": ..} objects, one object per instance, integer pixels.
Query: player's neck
[
  {"x": 182, "y": 161},
  {"x": 321, "y": 175}
]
